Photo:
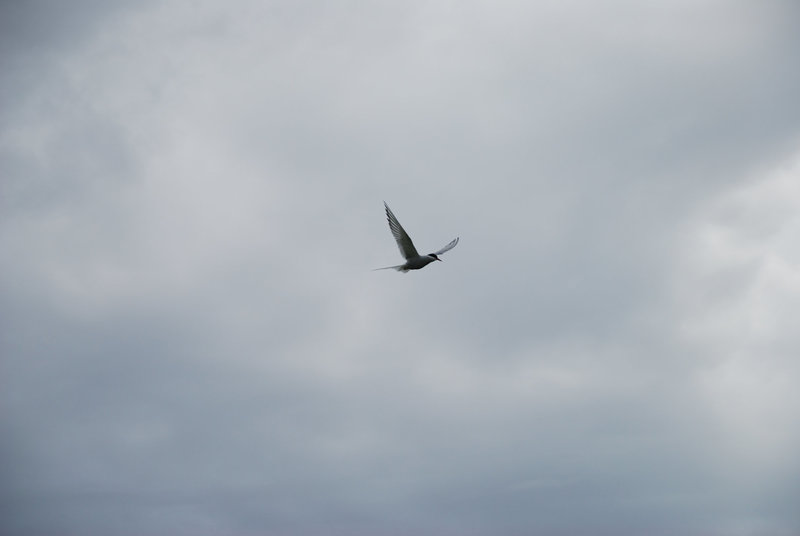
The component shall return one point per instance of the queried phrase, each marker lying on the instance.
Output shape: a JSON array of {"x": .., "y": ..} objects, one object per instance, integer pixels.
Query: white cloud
[{"x": 738, "y": 291}]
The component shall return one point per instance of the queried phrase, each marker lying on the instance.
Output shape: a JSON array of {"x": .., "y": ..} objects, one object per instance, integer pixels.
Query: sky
[{"x": 191, "y": 205}]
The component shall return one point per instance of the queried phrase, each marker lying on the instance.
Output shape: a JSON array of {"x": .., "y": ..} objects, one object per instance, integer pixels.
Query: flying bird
[{"x": 414, "y": 261}]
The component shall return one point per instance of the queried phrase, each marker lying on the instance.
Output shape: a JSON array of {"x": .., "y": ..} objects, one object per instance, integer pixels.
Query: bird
[{"x": 414, "y": 261}]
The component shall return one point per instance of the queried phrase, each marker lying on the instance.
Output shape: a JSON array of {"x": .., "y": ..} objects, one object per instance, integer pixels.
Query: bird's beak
[{"x": 438, "y": 259}]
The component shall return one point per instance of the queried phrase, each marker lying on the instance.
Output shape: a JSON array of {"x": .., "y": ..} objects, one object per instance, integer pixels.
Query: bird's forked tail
[{"x": 399, "y": 268}]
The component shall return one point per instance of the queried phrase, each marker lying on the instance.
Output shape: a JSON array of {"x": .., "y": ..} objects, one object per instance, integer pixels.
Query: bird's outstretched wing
[
  {"x": 448, "y": 247},
  {"x": 404, "y": 242}
]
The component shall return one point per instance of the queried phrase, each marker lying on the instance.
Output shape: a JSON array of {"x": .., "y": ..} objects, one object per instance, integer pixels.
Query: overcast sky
[{"x": 193, "y": 342}]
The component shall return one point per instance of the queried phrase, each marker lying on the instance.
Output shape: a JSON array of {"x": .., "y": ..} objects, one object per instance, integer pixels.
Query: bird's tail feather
[{"x": 399, "y": 268}]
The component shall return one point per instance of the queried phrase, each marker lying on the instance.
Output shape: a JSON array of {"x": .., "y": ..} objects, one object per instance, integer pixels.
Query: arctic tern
[{"x": 414, "y": 261}]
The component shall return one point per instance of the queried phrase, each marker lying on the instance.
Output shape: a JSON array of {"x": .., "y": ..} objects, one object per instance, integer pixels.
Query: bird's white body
[
  {"x": 414, "y": 261},
  {"x": 412, "y": 264}
]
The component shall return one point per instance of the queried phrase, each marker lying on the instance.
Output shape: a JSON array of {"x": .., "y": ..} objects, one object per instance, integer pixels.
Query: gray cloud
[{"x": 193, "y": 341}]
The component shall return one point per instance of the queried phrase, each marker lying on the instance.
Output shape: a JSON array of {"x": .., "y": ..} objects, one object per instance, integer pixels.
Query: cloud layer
[{"x": 193, "y": 341}]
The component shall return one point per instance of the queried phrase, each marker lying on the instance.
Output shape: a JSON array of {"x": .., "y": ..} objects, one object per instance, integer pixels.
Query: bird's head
[{"x": 435, "y": 256}]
